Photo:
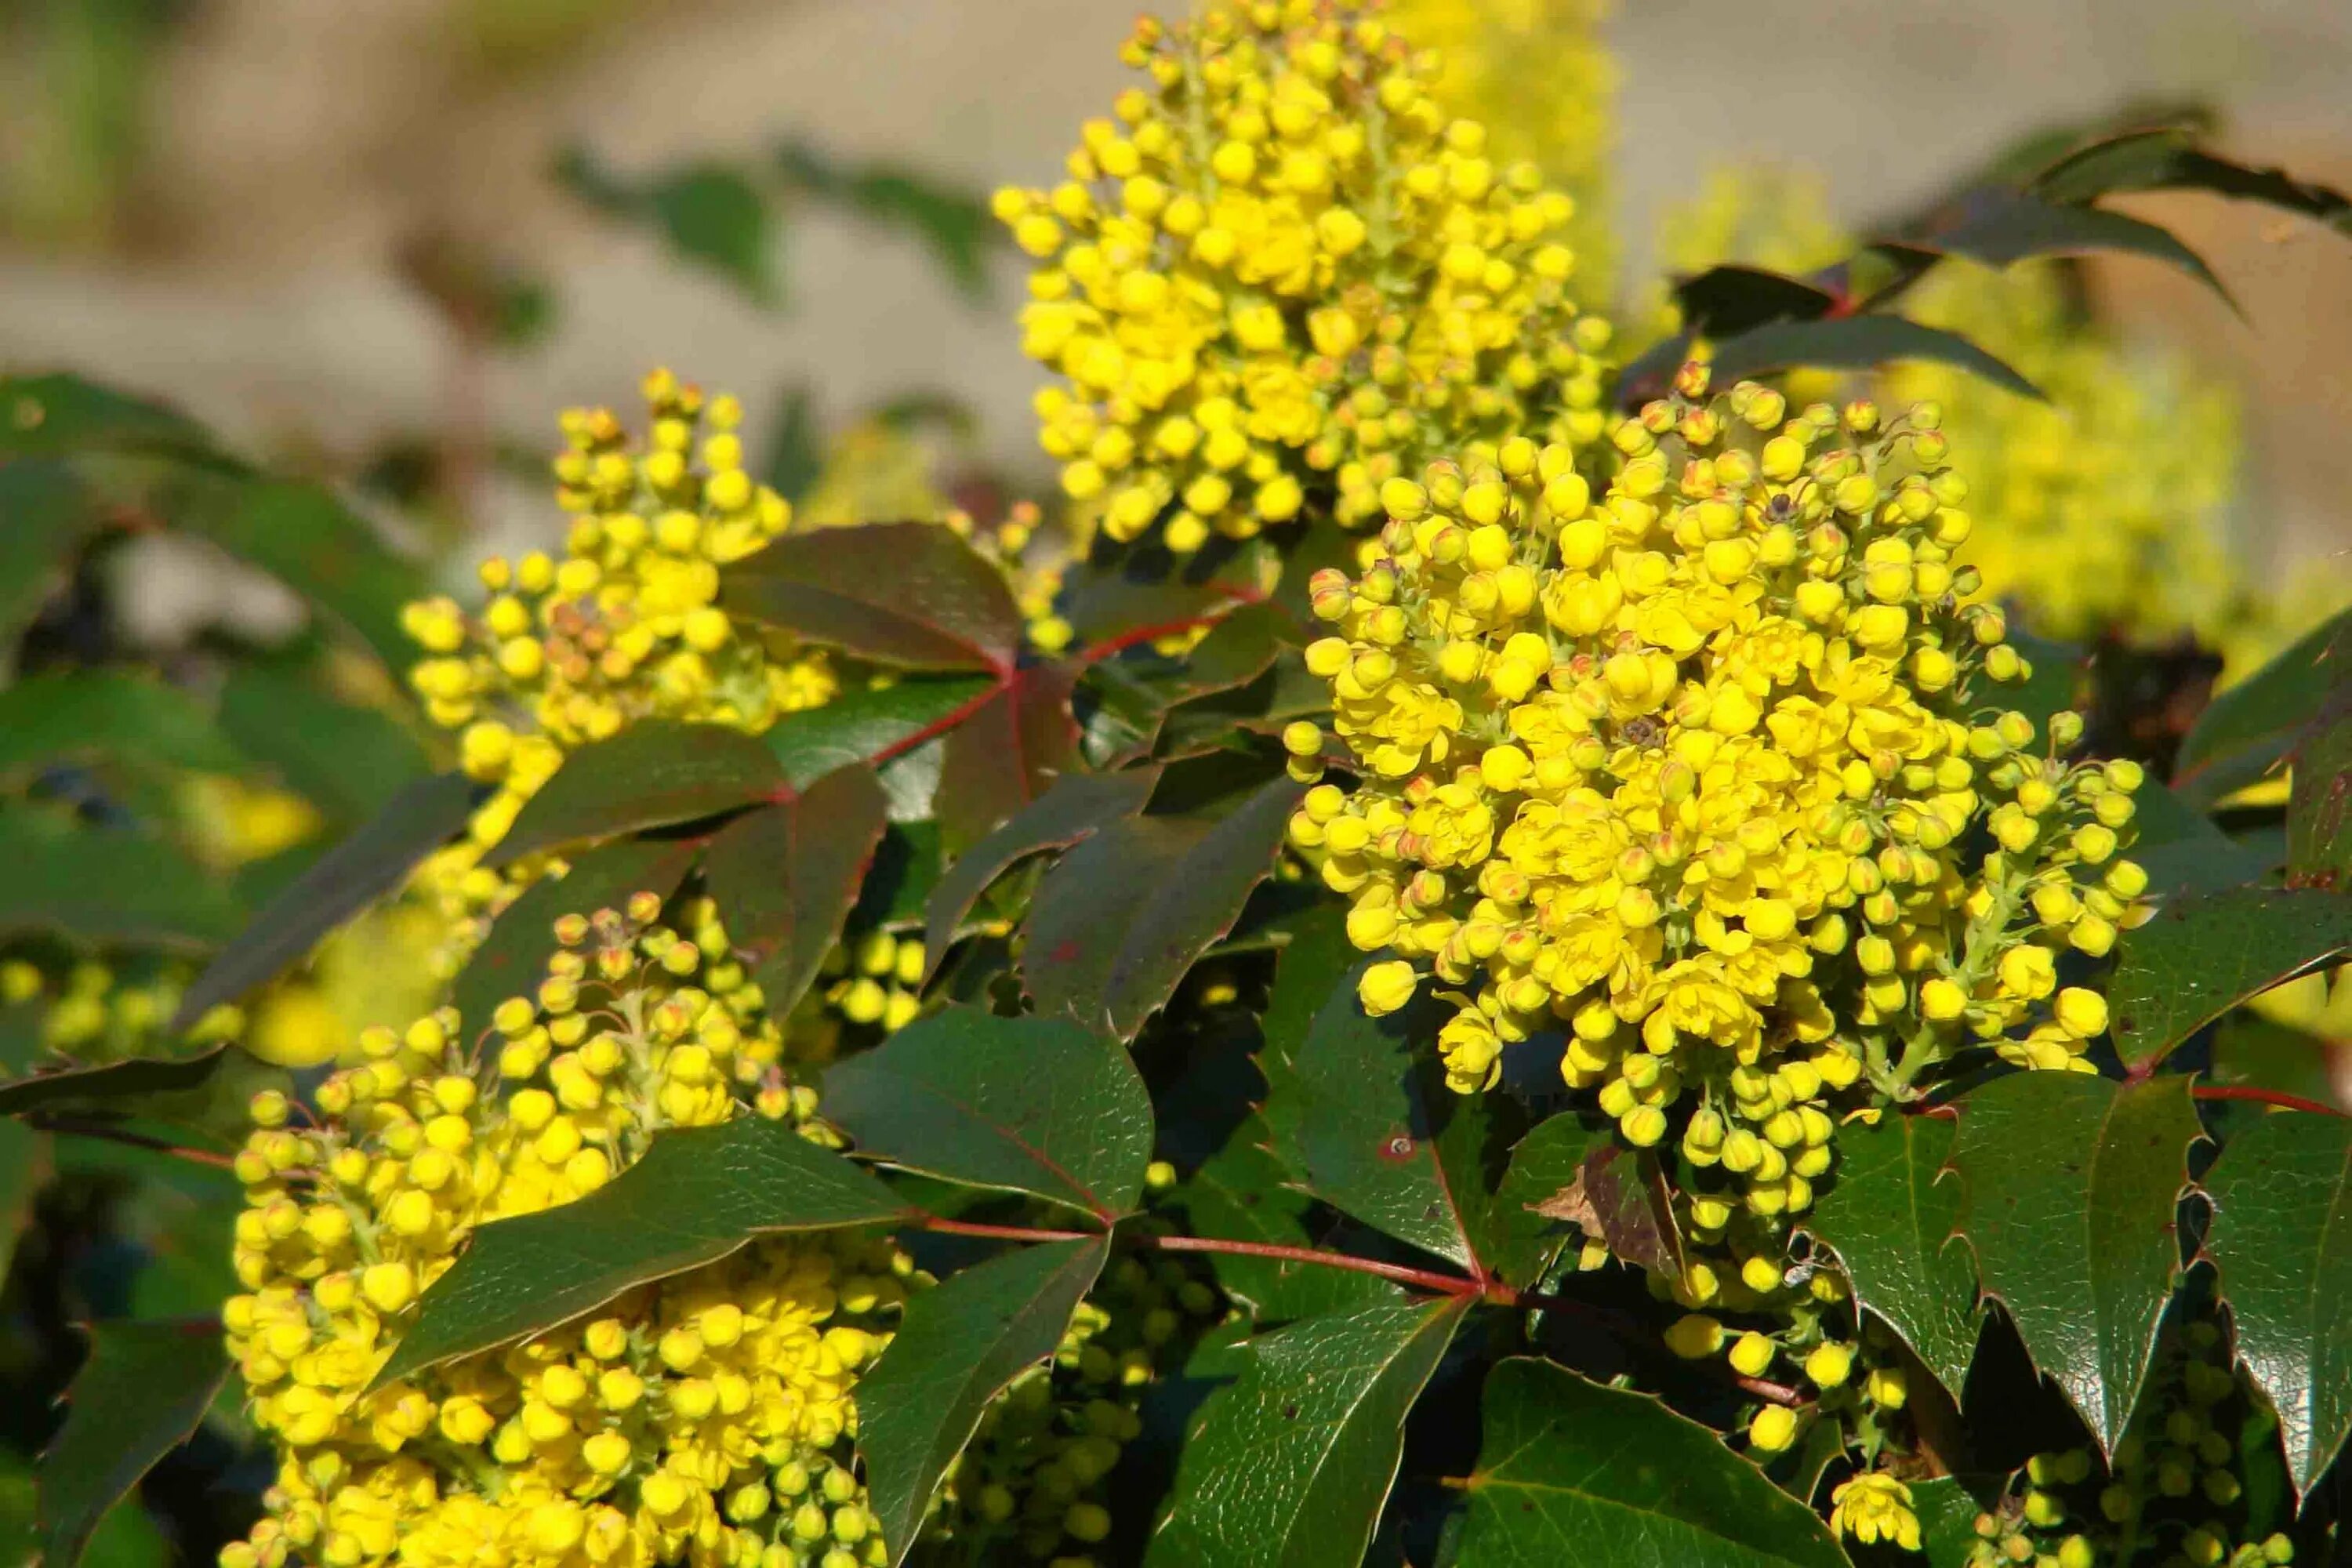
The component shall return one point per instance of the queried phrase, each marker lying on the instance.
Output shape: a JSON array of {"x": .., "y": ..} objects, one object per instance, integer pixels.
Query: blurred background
[{"x": 392, "y": 237}]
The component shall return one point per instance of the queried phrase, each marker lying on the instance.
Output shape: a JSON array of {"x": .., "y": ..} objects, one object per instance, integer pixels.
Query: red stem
[
  {"x": 947, "y": 721},
  {"x": 1135, "y": 636},
  {"x": 74, "y": 1127},
  {"x": 2263, "y": 1097},
  {"x": 1421, "y": 1278},
  {"x": 1004, "y": 1232}
]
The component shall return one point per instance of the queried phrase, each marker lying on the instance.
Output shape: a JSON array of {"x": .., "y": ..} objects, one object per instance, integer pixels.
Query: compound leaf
[
  {"x": 908, "y": 593},
  {"x": 1077, "y": 805}
]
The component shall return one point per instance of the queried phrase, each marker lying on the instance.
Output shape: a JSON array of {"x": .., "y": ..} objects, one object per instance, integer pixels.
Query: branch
[
  {"x": 1420, "y": 1278},
  {"x": 79, "y": 1127},
  {"x": 2264, "y": 1097}
]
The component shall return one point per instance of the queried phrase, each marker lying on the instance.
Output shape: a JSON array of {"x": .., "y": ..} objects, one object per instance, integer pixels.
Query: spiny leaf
[
  {"x": 1353, "y": 1112},
  {"x": 654, "y": 772},
  {"x": 2071, "y": 1184},
  {"x": 957, "y": 1346},
  {"x": 1731, "y": 299},
  {"x": 1008, "y": 753},
  {"x": 1077, "y": 805},
  {"x": 111, "y": 1083},
  {"x": 785, "y": 877},
  {"x": 2281, "y": 1236},
  {"x": 1120, "y": 918},
  {"x": 2319, "y": 804},
  {"x": 2198, "y": 957},
  {"x": 1033, "y": 1105},
  {"x": 337, "y": 885},
  {"x": 2247, "y": 729},
  {"x": 109, "y": 885},
  {"x": 1287, "y": 1465},
  {"x": 141, "y": 1395},
  {"x": 1574, "y": 1474},
  {"x": 908, "y": 593},
  {"x": 1571, "y": 1181},
  {"x": 1856, "y": 342},
  {"x": 512, "y": 960},
  {"x": 697, "y": 1195},
  {"x": 1890, "y": 1221}
]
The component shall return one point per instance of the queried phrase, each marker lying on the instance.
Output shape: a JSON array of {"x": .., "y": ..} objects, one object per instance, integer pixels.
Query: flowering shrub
[{"x": 1476, "y": 955}]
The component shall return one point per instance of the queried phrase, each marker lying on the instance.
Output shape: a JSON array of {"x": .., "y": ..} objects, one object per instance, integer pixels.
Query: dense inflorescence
[{"x": 1283, "y": 270}]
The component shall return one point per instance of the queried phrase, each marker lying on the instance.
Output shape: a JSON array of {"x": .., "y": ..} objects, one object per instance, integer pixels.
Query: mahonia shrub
[{"x": 1466, "y": 952}]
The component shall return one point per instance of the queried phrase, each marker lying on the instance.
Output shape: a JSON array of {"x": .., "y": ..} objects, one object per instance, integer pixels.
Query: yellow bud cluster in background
[
  {"x": 1693, "y": 772},
  {"x": 703, "y": 1419},
  {"x": 1283, "y": 270}
]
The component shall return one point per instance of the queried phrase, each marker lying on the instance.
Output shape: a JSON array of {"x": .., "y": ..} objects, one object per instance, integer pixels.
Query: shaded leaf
[
  {"x": 2319, "y": 801},
  {"x": 2166, "y": 159},
  {"x": 1008, "y": 753},
  {"x": 1998, "y": 226},
  {"x": 1890, "y": 1221},
  {"x": 653, "y": 774},
  {"x": 958, "y": 1345},
  {"x": 1948, "y": 1521},
  {"x": 1732, "y": 297},
  {"x": 1569, "y": 1181},
  {"x": 1574, "y": 1472},
  {"x": 1856, "y": 342},
  {"x": 866, "y": 720},
  {"x": 347, "y": 760},
  {"x": 328, "y": 555},
  {"x": 1033, "y": 1105},
  {"x": 1076, "y": 804},
  {"x": 141, "y": 1395},
  {"x": 2070, "y": 1187},
  {"x": 2198, "y": 957},
  {"x": 1288, "y": 1467},
  {"x": 905, "y": 871},
  {"x": 111, "y": 1084},
  {"x": 698, "y": 1193},
  {"x": 785, "y": 877},
  {"x": 1243, "y": 1193},
  {"x": 2248, "y": 728},
  {"x": 90, "y": 714},
  {"x": 337, "y": 885},
  {"x": 109, "y": 885},
  {"x": 44, "y": 516},
  {"x": 1119, "y": 920},
  {"x": 2281, "y": 1236},
  {"x": 1144, "y": 587},
  {"x": 906, "y": 593},
  {"x": 512, "y": 960}
]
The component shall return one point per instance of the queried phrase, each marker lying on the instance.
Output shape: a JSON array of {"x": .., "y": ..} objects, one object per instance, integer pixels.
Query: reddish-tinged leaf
[
  {"x": 908, "y": 593},
  {"x": 651, "y": 774},
  {"x": 1076, "y": 804},
  {"x": 1008, "y": 752},
  {"x": 785, "y": 877},
  {"x": 2319, "y": 804}
]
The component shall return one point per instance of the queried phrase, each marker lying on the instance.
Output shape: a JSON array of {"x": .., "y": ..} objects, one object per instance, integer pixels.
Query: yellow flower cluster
[
  {"x": 701, "y": 1419},
  {"x": 1284, "y": 268},
  {"x": 1692, "y": 768},
  {"x": 1536, "y": 73},
  {"x": 92, "y": 1014},
  {"x": 1856, "y": 1382}
]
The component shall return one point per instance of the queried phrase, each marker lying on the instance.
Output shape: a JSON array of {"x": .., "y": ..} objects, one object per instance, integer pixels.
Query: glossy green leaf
[
  {"x": 864, "y": 721},
  {"x": 1120, "y": 919},
  {"x": 1077, "y": 805},
  {"x": 958, "y": 1345},
  {"x": 1947, "y": 1520},
  {"x": 2319, "y": 803},
  {"x": 44, "y": 516},
  {"x": 111, "y": 1084},
  {"x": 330, "y": 555},
  {"x": 698, "y": 1193},
  {"x": 109, "y": 885},
  {"x": 1144, "y": 586},
  {"x": 653, "y": 774},
  {"x": 906, "y": 593},
  {"x": 337, "y": 885},
  {"x": 1008, "y": 752},
  {"x": 1890, "y": 1221},
  {"x": 143, "y": 1390},
  {"x": 1354, "y": 1109},
  {"x": 1033, "y": 1105},
  {"x": 1571, "y": 1181},
  {"x": 512, "y": 960},
  {"x": 1289, "y": 1466},
  {"x": 2246, "y": 730},
  {"x": 60, "y": 415},
  {"x": 2198, "y": 957},
  {"x": 347, "y": 760},
  {"x": 91, "y": 714},
  {"x": 2281, "y": 1236},
  {"x": 2167, "y": 159},
  {"x": 1572, "y": 1474},
  {"x": 2070, "y": 1189},
  {"x": 786, "y": 876},
  {"x": 1244, "y": 1193},
  {"x": 1856, "y": 342}
]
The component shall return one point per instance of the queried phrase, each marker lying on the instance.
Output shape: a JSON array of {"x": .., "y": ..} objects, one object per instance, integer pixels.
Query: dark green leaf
[
  {"x": 1120, "y": 918},
  {"x": 785, "y": 877},
  {"x": 2319, "y": 804},
  {"x": 337, "y": 885},
  {"x": 111, "y": 1084},
  {"x": 109, "y": 885},
  {"x": 328, "y": 554},
  {"x": 89, "y": 714},
  {"x": 1008, "y": 753},
  {"x": 1999, "y": 227},
  {"x": 1243, "y": 1193},
  {"x": 43, "y": 517},
  {"x": 2249, "y": 727},
  {"x": 864, "y": 720},
  {"x": 1354, "y": 1112},
  {"x": 1856, "y": 342},
  {"x": 347, "y": 760},
  {"x": 2070, "y": 1186},
  {"x": 22, "y": 1171},
  {"x": 141, "y": 1392},
  {"x": 653, "y": 774},
  {"x": 1948, "y": 1521},
  {"x": 512, "y": 960},
  {"x": 2281, "y": 1236},
  {"x": 1033, "y": 1105},
  {"x": 796, "y": 456},
  {"x": 1573, "y": 1472},
  {"x": 905, "y": 872},
  {"x": 900, "y": 592},
  {"x": 1731, "y": 299},
  {"x": 714, "y": 216},
  {"x": 1077, "y": 805},
  {"x": 958, "y": 1345},
  {"x": 2166, "y": 160},
  {"x": 698, "y": 1193},
  {"x": 1890, "y": 1221},
  {"x": 1144, "y": 587},
  {"x": 2198, "y": 957},
  {"x": 1287, "y": 1465},
  {"x": 1572, "y": 1181},
  {"x": 58, "y": 416}
]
